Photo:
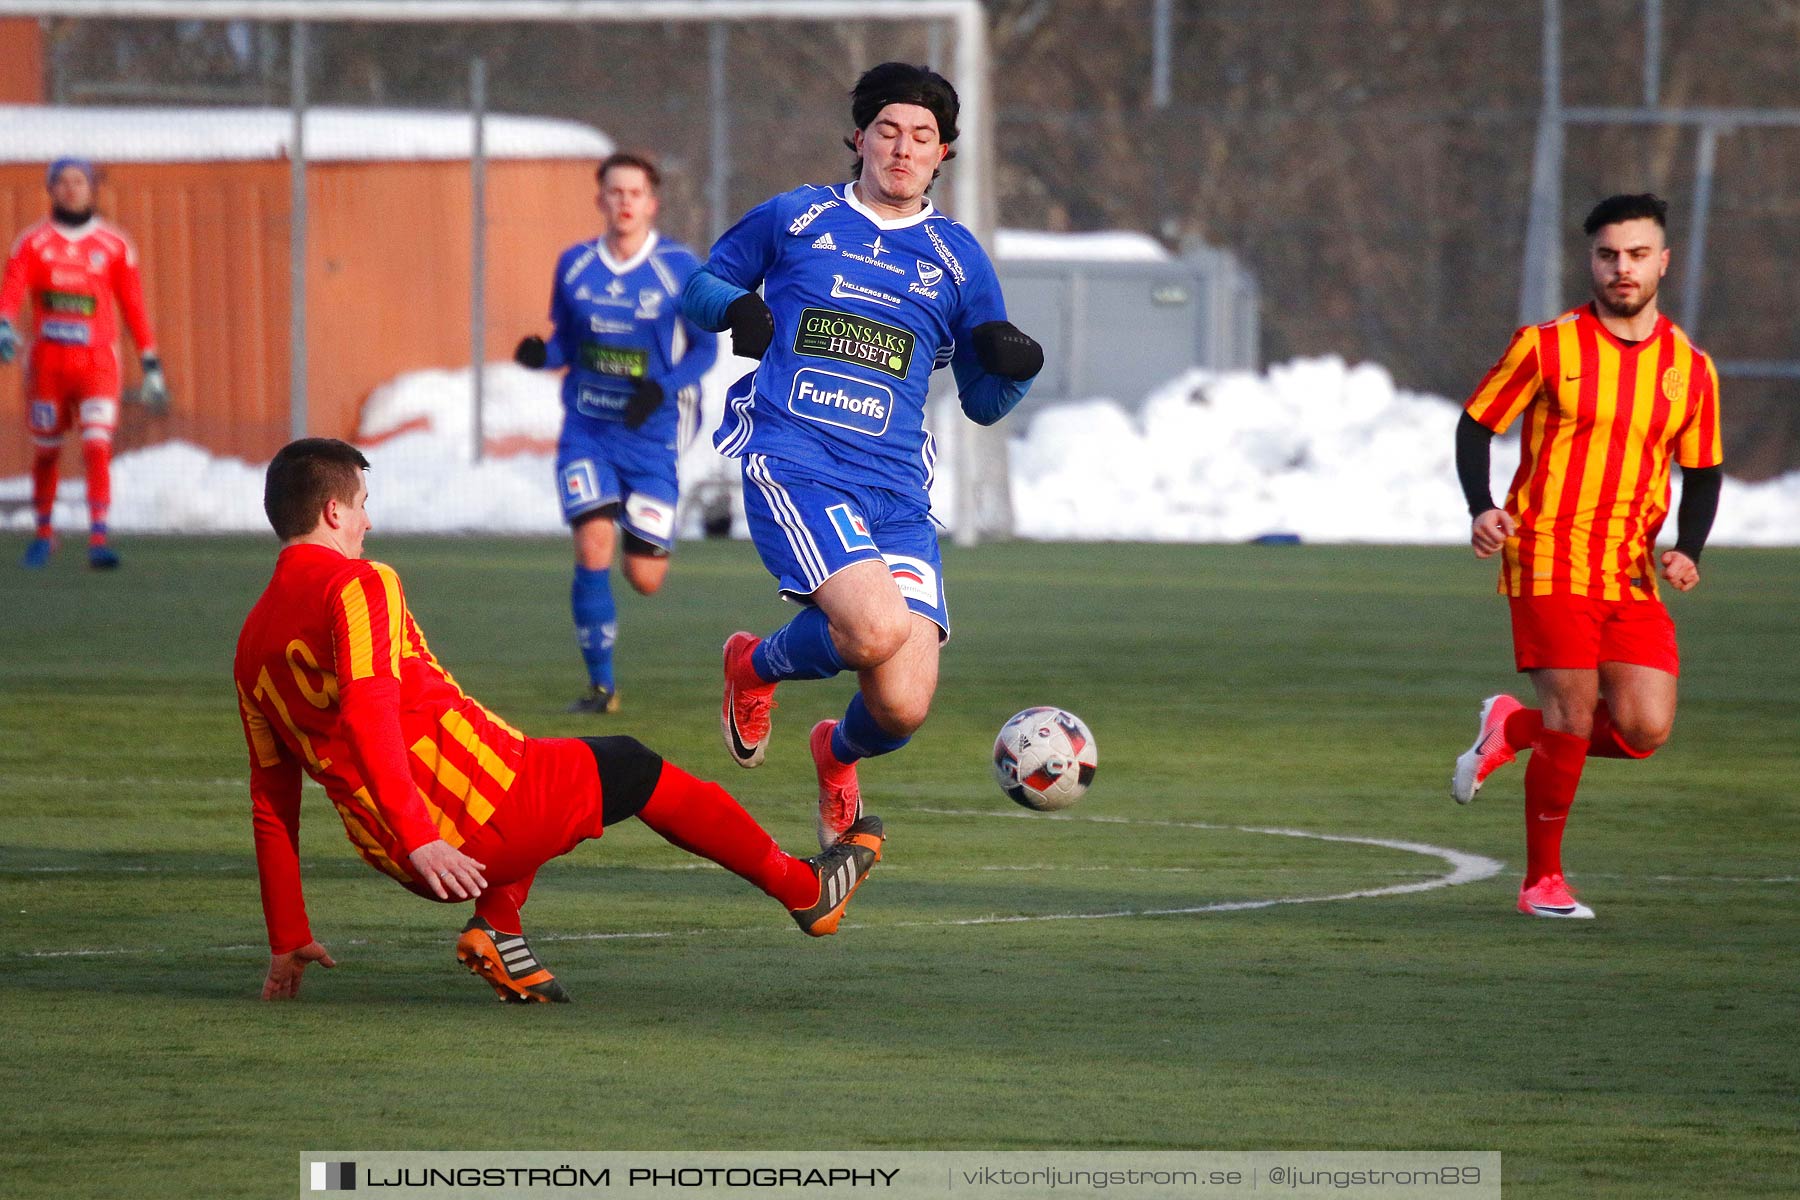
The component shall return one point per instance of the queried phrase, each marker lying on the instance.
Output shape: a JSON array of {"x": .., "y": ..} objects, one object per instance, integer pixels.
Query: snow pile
[
  {"x": 1315, "y": 447},
  {"x": 1331, "y": 452}
]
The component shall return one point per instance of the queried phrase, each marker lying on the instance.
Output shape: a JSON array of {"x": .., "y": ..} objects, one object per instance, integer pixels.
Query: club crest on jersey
[
  {"x": 649, "y": 303},
  {"x": 844, "y": 289},
  {"x": 1673, "y": 383},
  {"x": 852, "y": 530},
  {"x": 97, "y": 259},
  {"x": 824, "y": 242},
  {"x": 806, "y": 218},
  {"x": 929, "y": 273},
  {"x": 917, "y": 579}
]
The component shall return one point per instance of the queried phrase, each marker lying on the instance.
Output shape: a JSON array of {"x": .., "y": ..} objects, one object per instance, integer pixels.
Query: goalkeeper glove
[
  {"x": 153, "y": 393},
  {"x": 752, "y": 325},
  {"x": 1005, "y": 351},
  {"x": 646, "y": 398},
  {"x": 9, "y": 341},
  {"x": 530, "y": 352}
]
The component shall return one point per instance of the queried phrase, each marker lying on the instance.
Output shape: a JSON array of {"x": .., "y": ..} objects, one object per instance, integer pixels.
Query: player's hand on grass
[
  {"x": 153, "y": 393},
  {"x": 531, "y": 352},
  {"x": 646, "y": 398},
  {"x": 283, "y": 982},
  {"x": 752, "y": 325},
  {"x": 1682, "y": 572},
  {"x": 9, "y": 341},
  {"x": 1490, "y": 531},
  {"x": 451, "y": 874},
  {"x": 1005, "y": 350}
]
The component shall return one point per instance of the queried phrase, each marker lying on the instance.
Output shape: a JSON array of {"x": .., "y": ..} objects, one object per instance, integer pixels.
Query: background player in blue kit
[
  {"x": 631, "y": 400},
  {"x": 869, "y": 289}
]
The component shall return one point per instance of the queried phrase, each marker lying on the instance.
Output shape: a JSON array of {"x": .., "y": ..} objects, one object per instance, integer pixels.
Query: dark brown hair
[
  {"x": 625, "y": 158},
  {"x": 305, "y": 474}
]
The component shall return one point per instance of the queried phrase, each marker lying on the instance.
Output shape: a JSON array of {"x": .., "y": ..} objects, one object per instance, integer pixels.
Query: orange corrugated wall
[{"x": 387, "y": 283}]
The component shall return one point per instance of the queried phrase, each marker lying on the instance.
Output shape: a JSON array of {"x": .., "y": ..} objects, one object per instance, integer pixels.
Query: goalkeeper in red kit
[{"x": 335, "y": 679}]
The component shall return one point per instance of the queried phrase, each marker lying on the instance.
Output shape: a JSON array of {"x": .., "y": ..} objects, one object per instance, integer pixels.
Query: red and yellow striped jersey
[
  {"x": 1604, "y": 422},
  {"x": 334, "y": 678}
]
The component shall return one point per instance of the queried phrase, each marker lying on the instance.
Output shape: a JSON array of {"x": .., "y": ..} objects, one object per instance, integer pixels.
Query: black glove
[
  {"x": 1005, "y": 351},
  {"x": 530, "y": 352},
  {"x": 752, "y": 325},
  {"x": 646, "y": 398}
]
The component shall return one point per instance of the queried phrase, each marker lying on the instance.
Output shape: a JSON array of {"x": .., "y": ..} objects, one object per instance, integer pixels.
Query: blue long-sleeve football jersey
[
  {"x": 618, "y": 321},
  {"x": 865, "y": 309}
]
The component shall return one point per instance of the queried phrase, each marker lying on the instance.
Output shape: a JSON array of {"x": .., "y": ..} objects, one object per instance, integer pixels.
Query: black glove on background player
[
  {"x": 752, "y": 325},
  {"x": 646, "y": 398},
  {"x": 530, "y": 352},
  {"x": 1004, "y": 350}
]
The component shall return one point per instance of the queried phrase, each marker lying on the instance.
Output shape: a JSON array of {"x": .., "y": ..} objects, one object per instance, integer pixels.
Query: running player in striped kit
[{"x": 1613, "y": 395}]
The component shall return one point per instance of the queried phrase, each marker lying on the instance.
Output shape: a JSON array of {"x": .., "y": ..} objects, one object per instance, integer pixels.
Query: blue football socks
[
  {"x": 801, "y": 649},
  {"x": 596, "y": 623},
  {"x": 858, "y": 735}
]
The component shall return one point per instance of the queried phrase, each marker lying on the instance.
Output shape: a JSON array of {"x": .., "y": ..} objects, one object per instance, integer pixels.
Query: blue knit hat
[{"x": 85, "y": 166}]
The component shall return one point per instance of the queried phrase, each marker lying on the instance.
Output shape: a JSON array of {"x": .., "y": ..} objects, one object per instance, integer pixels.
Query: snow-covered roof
[
  {"x": 40, "y": 133},
  {"x": 1118, "y": 245}
]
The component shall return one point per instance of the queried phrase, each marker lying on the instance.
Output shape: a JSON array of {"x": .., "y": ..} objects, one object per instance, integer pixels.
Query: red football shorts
[
  {"x": 1580, "y": 632},
  {"x": 553, "y": 807},
  {"x": 72, "y": 385}
]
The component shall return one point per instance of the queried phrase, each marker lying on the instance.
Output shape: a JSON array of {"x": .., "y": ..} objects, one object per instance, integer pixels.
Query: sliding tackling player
[{"x": 334, "y": 679}]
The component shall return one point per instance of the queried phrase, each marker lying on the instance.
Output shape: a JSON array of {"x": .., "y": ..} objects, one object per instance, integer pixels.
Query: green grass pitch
[{"x": 1650, "y": 1052}]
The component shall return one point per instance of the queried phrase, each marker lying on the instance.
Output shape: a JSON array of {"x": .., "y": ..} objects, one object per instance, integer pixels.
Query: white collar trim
[
  {"x": 883, "y": 223},
  {"x": 631, "y": 264}
]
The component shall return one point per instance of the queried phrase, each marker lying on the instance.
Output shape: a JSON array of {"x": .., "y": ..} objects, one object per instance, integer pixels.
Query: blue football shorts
[
  {"x": 808, "y": 529},
  {"x": 602, "y": 463}
]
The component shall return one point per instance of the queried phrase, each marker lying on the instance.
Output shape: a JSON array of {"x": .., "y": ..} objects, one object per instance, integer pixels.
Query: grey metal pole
[
  {"x": 1160, "y": 21},
  {"x": 1540, "y": 291},
  {"x": 1693, "y": 269},
  {"x": 478, "y": 249},
  {"x": 1652, "y": 52},
  {"x": 297, "y": 218},
  {"x": 719, "y": 150}
]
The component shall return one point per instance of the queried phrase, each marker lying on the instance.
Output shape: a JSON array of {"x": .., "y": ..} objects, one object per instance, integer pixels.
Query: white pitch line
[{"x": 1465, "y": 868}]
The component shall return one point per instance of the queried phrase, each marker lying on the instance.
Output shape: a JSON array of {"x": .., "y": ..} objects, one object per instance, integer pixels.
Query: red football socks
[
  {"x": 1522, "y": 728},
  {"x": 1605, "y": 741},
  {"x": 703, "y": 819},
  {"x": 1550, "y": 782},
  {"x": 499, "y": 906},
  {"x": 43, "y": 487},
  {"x": 96, "y": 454}
]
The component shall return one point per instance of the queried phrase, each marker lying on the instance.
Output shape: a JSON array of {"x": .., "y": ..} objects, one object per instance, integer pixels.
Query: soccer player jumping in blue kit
[
  {"x": 631, "y": 400},
  {"x": 869, "y": 289}
]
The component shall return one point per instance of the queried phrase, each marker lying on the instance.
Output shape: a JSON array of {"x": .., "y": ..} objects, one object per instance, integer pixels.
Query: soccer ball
[{"x": 1044, "y": 758}]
